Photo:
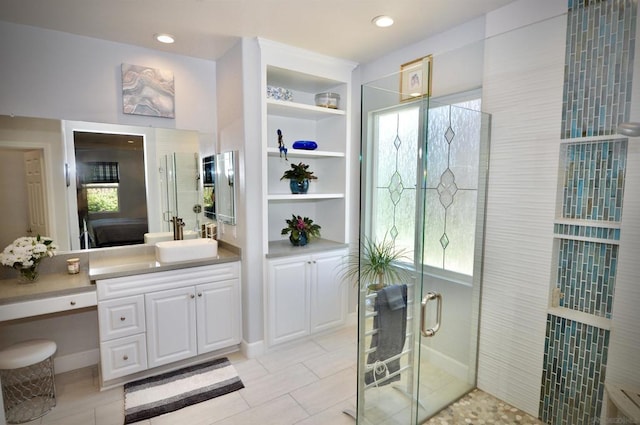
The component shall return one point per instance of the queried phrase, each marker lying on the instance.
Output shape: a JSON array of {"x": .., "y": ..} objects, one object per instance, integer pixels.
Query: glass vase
[{"x": 28, "y": 274}]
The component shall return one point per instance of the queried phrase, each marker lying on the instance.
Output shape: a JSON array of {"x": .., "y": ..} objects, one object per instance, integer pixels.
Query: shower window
[{"x": 451, "y": 189}]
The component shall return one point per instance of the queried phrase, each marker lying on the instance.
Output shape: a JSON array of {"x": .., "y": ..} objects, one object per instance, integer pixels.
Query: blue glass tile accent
[
  {"x": 573, "y": 372},
  {"x": 586, "y": 276},
  {"x": 598, "y": 66},
  {"x": 594, "y": 180}
]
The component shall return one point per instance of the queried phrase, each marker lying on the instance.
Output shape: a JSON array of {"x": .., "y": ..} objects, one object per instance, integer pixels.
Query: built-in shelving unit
[
  {"x": 303, "y": 292},
  {"x": 305, "y": 74}
]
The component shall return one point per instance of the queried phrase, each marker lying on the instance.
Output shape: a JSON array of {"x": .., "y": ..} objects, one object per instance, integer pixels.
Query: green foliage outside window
[{"x": 102, "y": 199}]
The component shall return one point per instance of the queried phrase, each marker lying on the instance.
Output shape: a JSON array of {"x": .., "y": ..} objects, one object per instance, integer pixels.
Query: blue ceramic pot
[
  {"x": 299, "y": 187},
  {"x": 301, "y": 241}
]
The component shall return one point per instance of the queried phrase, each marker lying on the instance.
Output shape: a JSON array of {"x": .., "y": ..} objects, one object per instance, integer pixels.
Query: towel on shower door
[{"x": 391, "y": 323}]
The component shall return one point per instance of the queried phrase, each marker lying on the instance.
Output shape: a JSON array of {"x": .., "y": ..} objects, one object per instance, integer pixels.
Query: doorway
[{"x": 424, "y": 171}]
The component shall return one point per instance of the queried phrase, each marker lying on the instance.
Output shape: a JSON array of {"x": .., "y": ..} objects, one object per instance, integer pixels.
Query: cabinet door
[
  {"x": 328, "y": 292},
  {"x": 288, "y": 299},
  {"x": 171, "y": 325},
  {"x": 219, "y": 315}
]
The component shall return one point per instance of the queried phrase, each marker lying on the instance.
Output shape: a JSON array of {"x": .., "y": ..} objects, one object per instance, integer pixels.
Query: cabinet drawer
[
  {"x": 47, "y": 305},
  {"x": 121, "y": 317},
  {"x": 123, "y": 356}
]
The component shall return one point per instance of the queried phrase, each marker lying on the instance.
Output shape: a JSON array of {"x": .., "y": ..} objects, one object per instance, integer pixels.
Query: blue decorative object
[
  {"x": 299, "y": 187},
  {"x": 281, "y": 147},
  {"x": 305, "y": 144},
  {"x": 301, "y": 241}
]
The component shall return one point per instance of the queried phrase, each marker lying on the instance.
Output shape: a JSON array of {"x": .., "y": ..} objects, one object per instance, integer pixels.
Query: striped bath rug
[{"x": 172, "y": 391}]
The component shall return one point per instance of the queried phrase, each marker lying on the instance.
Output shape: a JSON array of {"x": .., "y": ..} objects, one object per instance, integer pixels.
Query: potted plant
[
  {"x": 375, "y": 265},
  {"x": 300, "y": 230},
  {"x": 299, "y": 176}
]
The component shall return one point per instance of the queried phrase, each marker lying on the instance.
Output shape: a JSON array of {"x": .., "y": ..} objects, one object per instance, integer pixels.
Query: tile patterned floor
[
  {"x": 307, "y": 383},
  {"x": 480, "y": 408}
]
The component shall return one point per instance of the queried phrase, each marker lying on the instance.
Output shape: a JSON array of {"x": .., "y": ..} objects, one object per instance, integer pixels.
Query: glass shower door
[{"x": 423, "y": 176}]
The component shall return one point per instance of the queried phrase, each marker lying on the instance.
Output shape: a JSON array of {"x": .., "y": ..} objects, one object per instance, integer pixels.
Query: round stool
[{"x": 28, "y": 381}]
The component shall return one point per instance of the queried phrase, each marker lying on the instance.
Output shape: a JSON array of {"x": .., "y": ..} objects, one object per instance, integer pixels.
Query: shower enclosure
[{"x": 423, "y": 178}]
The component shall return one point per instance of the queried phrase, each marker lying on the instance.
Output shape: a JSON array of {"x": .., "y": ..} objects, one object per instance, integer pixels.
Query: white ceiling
[{"x": 208, "y": 28}]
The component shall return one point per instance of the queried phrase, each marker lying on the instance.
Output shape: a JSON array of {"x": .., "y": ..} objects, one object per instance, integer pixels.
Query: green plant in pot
[
  {"x": 299, "y": 176},
  {"x": 301, "y": 230},
  {"x": 375, "y": 265}
]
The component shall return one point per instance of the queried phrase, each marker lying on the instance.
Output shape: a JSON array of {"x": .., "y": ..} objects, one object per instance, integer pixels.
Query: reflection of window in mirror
[
  {"x": 110, "y": 189},
  {"x": 101, "y": 180}
]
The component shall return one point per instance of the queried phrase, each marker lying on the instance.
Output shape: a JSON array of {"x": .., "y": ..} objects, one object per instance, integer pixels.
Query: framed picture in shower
[{"x": 415, "y": 79}]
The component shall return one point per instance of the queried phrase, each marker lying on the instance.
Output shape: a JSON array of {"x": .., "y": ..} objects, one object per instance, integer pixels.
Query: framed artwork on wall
[
  {"x": 415, "y": 78},
  {"x": 147, "y": 91}
]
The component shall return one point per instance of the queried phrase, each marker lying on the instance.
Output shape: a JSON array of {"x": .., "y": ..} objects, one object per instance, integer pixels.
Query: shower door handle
[{"x": 423, "y": 314}]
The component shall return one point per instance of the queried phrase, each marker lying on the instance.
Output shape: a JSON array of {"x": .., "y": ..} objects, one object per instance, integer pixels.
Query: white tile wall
[{"x": 522, "y": 89}]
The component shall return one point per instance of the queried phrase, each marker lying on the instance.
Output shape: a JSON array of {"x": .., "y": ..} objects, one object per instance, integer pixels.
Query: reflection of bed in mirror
[{"x": 105, "y": 232}]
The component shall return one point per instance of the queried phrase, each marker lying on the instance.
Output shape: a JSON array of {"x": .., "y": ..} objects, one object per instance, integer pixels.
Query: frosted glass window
[
  {"x": 453, "y": 135},
  {"x": 396, "y": 147}
]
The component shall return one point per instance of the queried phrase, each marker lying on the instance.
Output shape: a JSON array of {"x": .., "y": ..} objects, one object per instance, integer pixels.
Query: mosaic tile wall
[
  {"x": 575, "y": 362},
  {"x": 593, "y": 190},
  {"x": 597, "y": 97},
  {"x": 594, "y": 180},
  {"x": 598, "y": 66},
  {"x": 586, "y": 276}
]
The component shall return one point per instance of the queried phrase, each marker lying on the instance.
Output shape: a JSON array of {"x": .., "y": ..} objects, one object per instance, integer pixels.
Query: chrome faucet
[{"x": 178, "y": 228}]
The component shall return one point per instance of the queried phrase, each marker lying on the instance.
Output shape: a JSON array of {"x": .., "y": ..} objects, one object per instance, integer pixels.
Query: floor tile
[
  {"x": 318, "y": 396},
  {"x": 311, "y": 382},
  {"x": 280, "y": 411}
]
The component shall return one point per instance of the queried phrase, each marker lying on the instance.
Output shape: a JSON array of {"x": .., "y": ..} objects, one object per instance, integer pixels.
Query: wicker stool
[{"x": 28, "y": 382}]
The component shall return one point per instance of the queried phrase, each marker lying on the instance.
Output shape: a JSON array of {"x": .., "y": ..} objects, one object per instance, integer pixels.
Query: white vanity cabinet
[
  {"x": 154, "y": 319},
  {"x": 194, "y": 320},
  {"x": 305, "y": 295}
]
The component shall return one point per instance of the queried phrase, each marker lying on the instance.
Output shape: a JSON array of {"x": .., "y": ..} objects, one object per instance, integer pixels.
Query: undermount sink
[
  {"x": 186, "y": 250},
  {"x": 155, "y": 237}
]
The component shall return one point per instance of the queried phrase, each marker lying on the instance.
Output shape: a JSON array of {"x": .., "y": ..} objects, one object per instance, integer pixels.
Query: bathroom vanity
[
  {"x": 156, "y": 316},
  {"x": 152, "y": 316}
]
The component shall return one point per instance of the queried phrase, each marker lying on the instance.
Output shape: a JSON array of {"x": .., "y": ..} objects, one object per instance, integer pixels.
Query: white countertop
[
  {"x": 19, "y": 300},
  {"x": 145, "y": 262}
]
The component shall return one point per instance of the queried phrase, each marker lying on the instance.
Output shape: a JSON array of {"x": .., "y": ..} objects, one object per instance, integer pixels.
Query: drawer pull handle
[
  {"x": 73, "y": 303},
  {"x": 199, "y": 294},
  {"x": 192, "y": 296},
  {"x": 122, "y": 319},
  {"x": 125, "y": 357}
]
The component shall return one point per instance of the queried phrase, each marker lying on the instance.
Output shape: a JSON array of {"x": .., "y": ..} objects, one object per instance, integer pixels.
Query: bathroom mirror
[
  {"x": 57, "y": 210},
  {"x": 226, "y": 187},
  {"x": 219, "y": 188}
]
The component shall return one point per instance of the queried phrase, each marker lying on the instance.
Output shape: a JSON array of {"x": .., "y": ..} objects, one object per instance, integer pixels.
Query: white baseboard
[
  {"x": 75, "y": 361},
  {"x": 446, "y": 363},
  {"x": 253, "y": 349}
]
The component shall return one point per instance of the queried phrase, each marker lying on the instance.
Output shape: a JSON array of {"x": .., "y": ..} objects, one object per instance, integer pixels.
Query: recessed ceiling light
[
  {"x": 382, "y": 21},
  {"x": 164, "y": 38}
]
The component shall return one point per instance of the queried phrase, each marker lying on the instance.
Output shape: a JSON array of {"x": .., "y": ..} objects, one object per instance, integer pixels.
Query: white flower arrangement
[{"x": 27, "y": 251}]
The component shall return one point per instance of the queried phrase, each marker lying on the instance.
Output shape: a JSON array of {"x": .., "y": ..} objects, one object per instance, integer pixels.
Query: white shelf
[
  {"x": 579, "y": 316},
  {"x": 301, "y": 153},
  {"x": 304, "y": 197},
  {"x": 300, "y": 110}
]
